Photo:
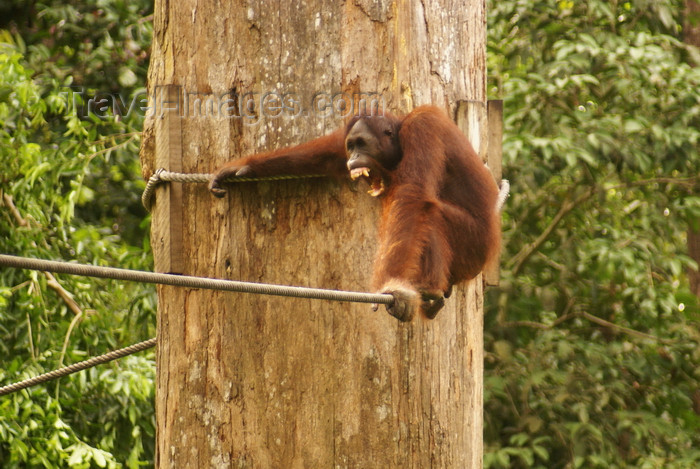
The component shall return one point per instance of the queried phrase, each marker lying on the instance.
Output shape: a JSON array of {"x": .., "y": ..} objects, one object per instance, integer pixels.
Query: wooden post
[
  {"x": 255, "y": 382},
  {"x": 494, "y": 109},
  {"x": 482, "y": 122},
  {"x": 167, "y": 210}
]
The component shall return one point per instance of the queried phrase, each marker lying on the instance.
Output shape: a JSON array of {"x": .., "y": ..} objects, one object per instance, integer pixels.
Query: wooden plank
[
  {"x": 470, "y": 117},
  {"x": 494, "y": 156},
  {"x": 166, "y": 227}
]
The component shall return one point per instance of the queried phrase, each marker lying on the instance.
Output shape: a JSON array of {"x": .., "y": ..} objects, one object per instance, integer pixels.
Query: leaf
[
  {"x": 541, "y": 452},
  {"x": 502, "y": 349},
  {"x": 633, "y": 126},
  {"x": 519, "y": 439},
  {"x": 99, "y": 458},
  {"x": 78, "y": 453}
]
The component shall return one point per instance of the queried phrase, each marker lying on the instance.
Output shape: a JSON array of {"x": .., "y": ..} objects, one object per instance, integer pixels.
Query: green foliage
[
  {"x": 592, "y": 338},
  {"x": 69, "y": 189}
]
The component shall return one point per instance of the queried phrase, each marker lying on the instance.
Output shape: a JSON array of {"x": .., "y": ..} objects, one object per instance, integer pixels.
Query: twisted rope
[
  {"x": 192, "y": 282},
  {"x": 161, "y": 175},
  {"x": 80, "y": 366}
]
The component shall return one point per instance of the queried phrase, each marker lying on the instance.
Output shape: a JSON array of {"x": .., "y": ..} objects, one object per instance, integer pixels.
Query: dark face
[{"x": 372, "y": 146}]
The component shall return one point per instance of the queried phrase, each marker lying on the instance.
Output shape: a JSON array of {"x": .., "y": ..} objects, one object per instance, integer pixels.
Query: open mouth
[{"x": 376, "y": 183}]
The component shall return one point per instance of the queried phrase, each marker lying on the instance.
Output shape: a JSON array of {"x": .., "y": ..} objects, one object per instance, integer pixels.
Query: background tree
[
  {"x": 691, "y": 35},
  {"x": 592, "y": 339}
]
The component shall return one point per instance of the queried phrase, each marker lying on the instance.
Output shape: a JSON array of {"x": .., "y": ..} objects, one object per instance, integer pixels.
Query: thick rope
[
  {"x": 80, "y": 366},
  {"x": 161, "y": 175},
  {"x": 192, "y": 282}
]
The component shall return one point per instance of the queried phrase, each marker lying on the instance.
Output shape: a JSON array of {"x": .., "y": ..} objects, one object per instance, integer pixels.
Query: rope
[
  {"x": 80, "y": 366},
  {"x": 192, "y": 282},
  {"x": 161, "y": 175},
  {"x": 164, "y": 279}
]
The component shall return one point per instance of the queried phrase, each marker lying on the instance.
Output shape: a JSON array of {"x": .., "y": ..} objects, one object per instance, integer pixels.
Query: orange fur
[{"x": 439, "y": 222}]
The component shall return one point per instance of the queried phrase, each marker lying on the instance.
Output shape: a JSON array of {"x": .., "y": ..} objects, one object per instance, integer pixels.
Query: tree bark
[
  {"x": 255, "y": 381},
  {"x": 692, "y": 36}
]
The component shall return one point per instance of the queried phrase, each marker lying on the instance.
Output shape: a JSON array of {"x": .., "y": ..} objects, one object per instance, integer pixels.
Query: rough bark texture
[{"x": 260, "y": 382}]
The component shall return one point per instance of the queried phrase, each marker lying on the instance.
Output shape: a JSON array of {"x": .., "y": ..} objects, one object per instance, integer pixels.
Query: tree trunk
[
  {"x": 692, "y": 36},
  {"x": 257, "y": 381}
]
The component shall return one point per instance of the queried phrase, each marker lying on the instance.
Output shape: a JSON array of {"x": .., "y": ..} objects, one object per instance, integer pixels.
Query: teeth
[
  {"x": 376, "y": 186},
  {"x": 357, "y": 172},
  {"x": 377, "y": 191}
]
